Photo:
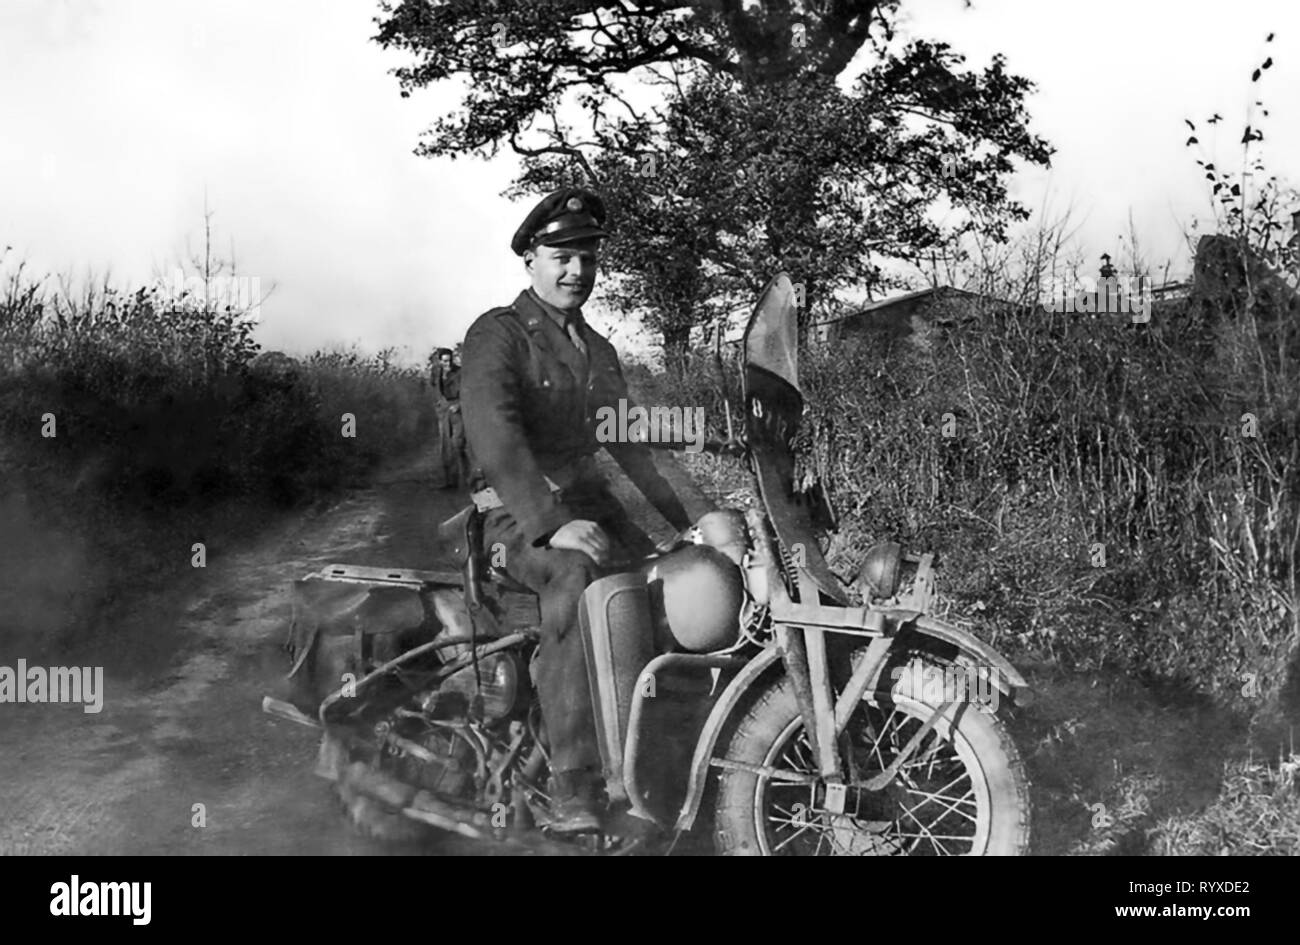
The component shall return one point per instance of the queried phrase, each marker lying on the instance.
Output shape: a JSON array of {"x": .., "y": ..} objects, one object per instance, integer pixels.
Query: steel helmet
[
  {"x": 696, "y": 594},
  {"x": 725, "y": 530}
]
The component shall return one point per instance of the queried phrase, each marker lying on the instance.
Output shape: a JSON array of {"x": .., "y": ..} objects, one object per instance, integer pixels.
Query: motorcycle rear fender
[{"x": 1007, "y": 678}]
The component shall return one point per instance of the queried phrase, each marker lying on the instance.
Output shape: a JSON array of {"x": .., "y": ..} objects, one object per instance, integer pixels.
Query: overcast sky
[{"x": 117, "y": 118}]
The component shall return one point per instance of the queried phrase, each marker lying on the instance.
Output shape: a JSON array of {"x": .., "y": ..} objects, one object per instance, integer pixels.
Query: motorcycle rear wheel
[{"x": 966, "y": 771}]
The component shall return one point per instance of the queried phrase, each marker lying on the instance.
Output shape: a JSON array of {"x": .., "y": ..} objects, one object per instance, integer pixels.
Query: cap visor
[{"x": 572, "y": 236}]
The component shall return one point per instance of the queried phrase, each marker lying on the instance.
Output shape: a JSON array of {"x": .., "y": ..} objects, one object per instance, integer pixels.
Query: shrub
[{"x": 158, "y": 401}]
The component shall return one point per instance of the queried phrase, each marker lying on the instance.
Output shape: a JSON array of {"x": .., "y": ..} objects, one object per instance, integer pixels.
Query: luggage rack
[{"x": 389, "y": 577}]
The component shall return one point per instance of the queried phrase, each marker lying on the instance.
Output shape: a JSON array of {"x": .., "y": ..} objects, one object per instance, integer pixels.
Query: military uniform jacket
[
  {"x": 449, "y": 386},
  {"x": 529, "y": 399}
]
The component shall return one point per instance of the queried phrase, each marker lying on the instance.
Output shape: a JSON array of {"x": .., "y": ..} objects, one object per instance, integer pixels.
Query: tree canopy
[{"x": 729, "y": 139}]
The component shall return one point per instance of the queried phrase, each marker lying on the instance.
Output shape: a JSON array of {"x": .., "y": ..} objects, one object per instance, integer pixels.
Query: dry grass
[
  {"x": 158, "y": 402},
  {"x": 1100, "y": 509},
  {"x": 1257, "y": 814},
  {"x": 167, "y": 431}
]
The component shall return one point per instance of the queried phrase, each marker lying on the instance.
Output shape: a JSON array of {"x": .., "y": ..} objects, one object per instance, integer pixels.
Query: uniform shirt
[
  {"x": 561, "y": 317},
  {"x": 529, "y": 399}
]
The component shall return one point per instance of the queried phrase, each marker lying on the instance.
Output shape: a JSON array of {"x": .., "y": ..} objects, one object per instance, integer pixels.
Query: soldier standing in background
[{"x": 451, "y": 425}]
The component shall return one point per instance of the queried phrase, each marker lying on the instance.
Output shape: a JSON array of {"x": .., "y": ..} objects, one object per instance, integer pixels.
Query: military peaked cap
[{"x": 567, "y": 215}]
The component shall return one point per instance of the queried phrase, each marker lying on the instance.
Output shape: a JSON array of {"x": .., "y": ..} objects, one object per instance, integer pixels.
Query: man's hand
[
  {"x": 582, "y": 535},
  {"x": 673, "y": 542}
]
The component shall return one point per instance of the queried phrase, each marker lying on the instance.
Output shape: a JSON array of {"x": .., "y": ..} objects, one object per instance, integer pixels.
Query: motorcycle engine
[
  {"x": 501, "y": 685},
  {"x": 441, "y": 746},
  {"x": 440, "y": 759}
]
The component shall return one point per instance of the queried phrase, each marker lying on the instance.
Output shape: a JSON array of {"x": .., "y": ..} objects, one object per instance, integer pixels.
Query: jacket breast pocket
[
  {"x": 558, "y": 399},
  {"x": 606, "y": 384}
]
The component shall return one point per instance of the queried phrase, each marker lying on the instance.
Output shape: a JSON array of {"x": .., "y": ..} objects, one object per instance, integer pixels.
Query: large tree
[{"x": 730, "y": 138}]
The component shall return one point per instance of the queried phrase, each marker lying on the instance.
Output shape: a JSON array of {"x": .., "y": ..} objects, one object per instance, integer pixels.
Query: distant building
[
  {"x": 1229, "y": 282},
  {"x": 1219, "y": 279},
  {"x": 911, "y": 314},
  {"x": 1170, "y": 291}
]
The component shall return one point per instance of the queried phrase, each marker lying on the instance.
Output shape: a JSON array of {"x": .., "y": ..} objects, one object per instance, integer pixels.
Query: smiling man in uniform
[{"x": 534, "y": 376}]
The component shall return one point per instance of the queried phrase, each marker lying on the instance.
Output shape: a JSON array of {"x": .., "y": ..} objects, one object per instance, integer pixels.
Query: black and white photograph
[{"x": 691, "y": 428}]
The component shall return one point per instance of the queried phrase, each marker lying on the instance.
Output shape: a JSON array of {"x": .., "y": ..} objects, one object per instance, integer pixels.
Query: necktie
[{"x": 572, "y": 326}]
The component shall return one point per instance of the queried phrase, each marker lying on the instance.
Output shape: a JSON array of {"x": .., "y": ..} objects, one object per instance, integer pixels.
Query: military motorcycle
[{"x": 742, "y": 690}]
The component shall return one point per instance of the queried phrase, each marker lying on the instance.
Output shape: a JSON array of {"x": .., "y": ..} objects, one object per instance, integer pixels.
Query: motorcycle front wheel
[{"x": 962, "y": 791}]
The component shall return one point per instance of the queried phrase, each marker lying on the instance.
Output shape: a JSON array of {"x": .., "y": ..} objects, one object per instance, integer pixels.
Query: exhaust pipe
[
  {"x": 334, "y": 764},
  {"x": 283, "y": 710}
]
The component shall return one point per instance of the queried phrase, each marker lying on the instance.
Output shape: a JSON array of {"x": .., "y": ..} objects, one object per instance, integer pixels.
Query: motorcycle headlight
[{"x": 880, "y": 571}]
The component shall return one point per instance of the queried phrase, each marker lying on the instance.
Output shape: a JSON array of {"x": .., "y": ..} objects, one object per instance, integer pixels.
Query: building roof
[
  {"x": 736, "y": 330},
  {"x": 887, "y": 303}
]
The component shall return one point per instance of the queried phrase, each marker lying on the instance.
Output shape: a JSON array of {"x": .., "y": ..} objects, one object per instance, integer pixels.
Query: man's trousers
[{"x": 559, "y": 577}]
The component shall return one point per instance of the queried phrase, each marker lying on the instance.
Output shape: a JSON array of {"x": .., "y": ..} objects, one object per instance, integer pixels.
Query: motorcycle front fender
[
  {"x": 750, "y": 675},
  {"x": 1005, "y": 676},
  {"x": 756, "y": 672}
]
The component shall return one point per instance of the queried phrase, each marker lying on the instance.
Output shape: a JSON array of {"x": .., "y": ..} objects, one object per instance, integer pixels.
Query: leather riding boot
[{"x": 577, "y": 801}]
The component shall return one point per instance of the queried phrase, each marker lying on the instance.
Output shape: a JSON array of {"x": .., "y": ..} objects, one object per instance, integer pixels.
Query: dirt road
[
  {"x": 181, "y": 724},
  {"x": 185, "y": 670},
  {"x": 181, "y": 760}
]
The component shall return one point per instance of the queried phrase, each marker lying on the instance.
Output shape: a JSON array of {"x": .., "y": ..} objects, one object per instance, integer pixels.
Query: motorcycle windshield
[
  {"x": 772, "y": 335},
  {"x": 773, "y": 407}
]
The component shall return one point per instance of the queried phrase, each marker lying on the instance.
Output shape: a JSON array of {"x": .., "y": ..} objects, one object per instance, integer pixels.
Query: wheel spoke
[
  {"x": 929, "y": 836},
  {"x": 915, "y": 816},
  {"x": 953, "y": 807},
  {"x": 925, "y": 758},
  {"x": 803, "y": 755},
  {"x": 807, "y": 825},
  {"x": 923, "y": 766},
  {"x": 961, "y": 775},
  {"x": 821, "y": 835},
  {"x": 874, "y": 748},
  {"x": 891, "y": 728},
  {"x": 939, "y": 794},
  {"x": 948, "y": 808},
  {"x": 791, "y": 817},
  {"x": 932, "y": 796}
]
